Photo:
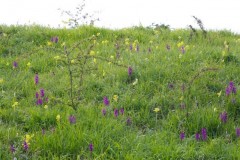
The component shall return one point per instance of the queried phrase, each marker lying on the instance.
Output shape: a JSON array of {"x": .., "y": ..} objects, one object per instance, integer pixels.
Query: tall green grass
[{"x": 185, "y": 87}]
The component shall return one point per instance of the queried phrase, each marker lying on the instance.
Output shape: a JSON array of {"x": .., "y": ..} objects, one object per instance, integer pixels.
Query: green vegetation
[{"x": 136, "y": 93}]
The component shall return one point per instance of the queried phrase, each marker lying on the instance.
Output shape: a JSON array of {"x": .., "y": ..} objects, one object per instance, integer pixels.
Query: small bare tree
[{"x": 79, "y": 17}]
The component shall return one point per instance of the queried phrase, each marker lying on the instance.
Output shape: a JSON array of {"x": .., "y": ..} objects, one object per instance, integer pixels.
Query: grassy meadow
[{"x": 135, "y": 93}]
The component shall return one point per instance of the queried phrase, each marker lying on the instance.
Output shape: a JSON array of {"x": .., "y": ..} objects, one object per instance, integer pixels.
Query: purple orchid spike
[
  {"x": 130, "y": 70},
  {"x": 204, "y": 134},
  {"x": 72, "y": 119},
  {"x": 116, "y": 112},
  {"x": 182, "y": 135},
  {"x": 106, "y": 101}
]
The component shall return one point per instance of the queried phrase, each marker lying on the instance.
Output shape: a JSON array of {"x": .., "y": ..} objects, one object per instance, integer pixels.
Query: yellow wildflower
[
  {"x": 127, "y": 41},
  {"x": 57, "y": 57},
  {"x": 28, "y": 137},
  {"x": 219, "y": 93},
  {"x": 180, "y": 44},
  {"x": 49, "y": 43},
  {"x": 92, "y": 53},
  {"x": 223, "y": 53},
  {"x": 156, "y": 32},
  {"x": 15, "y": 104},
  {"x": 28, "y": 64},
  {"x": 115, "y": 98},
  {"x": 58, "y": 117},
  {"x": 72, "y": 61},
  {"x": 156, "y": 110},
  {"x": 104, "y": 73},
  {"x": 63, "y": 44},
  {"x": 181, "y": 98},
  {"x": 94, "y": 60},
  {"x": 1, "y": 80},
  {"x": 226, "y": 45},
  {"x": 105, "y": 42},
  {"x": 134, "y": 45},
  {"x": 45, "y": 107},
  {"x": 135, "y": 82},
  {"x": 215, "y": 109}
]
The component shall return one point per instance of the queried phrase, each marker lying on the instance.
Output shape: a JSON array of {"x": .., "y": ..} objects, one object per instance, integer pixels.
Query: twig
[
  {"x": 200, "y": 24},
  {"x": 107, "y": 60},
  {"x": 71, "y": 78},
  {"x": 200, "y": 72}
]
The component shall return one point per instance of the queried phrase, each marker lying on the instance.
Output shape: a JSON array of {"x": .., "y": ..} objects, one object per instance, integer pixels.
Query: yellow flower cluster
[
  {"x": 58, "y": 118},
  {"x": 226, "y": 46},
  {"x": 1, "y": 80},
  {"x": 238, "y": 40},
  {"x": 135, "y": 82},
  {"x": 215, "y": 109},
  {"x": 127, "y": 41},
  {"x": 112, "y": 57},
  {"x": 15, "y": 104},
  {"x": 219, "y": 93},
  {"x": 49, "y": 43},
  {"x": 104, "y": 73},
  {"x": 115, "y": 98},
  {"x": 156, "y": 110},
  {"x": 105, "y": 42},
  {"x": 180, "y": 44},
  {"x": 29, "y": 64},
  {"x": 57, "y": 58},
  {"x": 181, "y": 98},
  {"x": 28, "y": 138},
  {"x": 134, "y": 45},
  {"x": 92, "y": 53},
  {"x": 63, "y": 44}
]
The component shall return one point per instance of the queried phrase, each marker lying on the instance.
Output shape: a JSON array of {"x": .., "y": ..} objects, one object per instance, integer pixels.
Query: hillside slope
[{"x": 136, "y": 93}]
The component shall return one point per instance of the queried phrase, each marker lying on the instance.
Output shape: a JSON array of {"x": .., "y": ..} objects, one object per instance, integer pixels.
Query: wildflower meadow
[{"x": 133, "y": 93}]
